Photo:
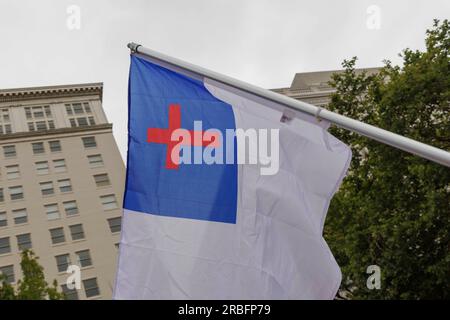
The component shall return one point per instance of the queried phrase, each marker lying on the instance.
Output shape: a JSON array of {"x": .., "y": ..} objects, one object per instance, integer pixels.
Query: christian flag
[{"x": 226, "y": 193}]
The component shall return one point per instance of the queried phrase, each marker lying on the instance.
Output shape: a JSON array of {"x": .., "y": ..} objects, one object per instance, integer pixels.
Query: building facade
[
  {"x": 313, "y": 87},
  {"x": 61, "y": 185}
]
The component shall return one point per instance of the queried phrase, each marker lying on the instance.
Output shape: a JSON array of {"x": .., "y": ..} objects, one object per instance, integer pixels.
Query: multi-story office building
[
  {"x": 313, "y": 87},
  {"x": 61, "y": 185}
]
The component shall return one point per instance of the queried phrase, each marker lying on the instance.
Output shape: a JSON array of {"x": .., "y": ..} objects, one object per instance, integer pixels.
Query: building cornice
[
  {"x": 73, "y": 90},
  {"x": 304, "y": 94},
  {"x": 32, "y": 134}
]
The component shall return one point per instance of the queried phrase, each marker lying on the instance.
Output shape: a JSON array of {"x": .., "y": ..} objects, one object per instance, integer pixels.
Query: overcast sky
[{"x": 262, "y": 42}]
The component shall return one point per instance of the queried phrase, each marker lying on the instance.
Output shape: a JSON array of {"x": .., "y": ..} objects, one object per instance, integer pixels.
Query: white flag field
[{"x": 212, "y": 215}]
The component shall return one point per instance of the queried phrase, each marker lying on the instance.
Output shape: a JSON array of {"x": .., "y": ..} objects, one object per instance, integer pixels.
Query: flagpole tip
[{"x": 133, "y": 47}]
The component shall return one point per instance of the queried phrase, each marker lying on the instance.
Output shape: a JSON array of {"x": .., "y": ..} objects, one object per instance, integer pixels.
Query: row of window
[
  {"x": 42, "y": 167},
  {"x": 76, "y": 111},
  {"x": 20, "y": 216},
  {"x": 81, "y": 121},
  {"x": 90, "y": 289},
  {"x": 57, "y": 235},
  {"x": 38, "y": 112},
  {"x": 59, "y": 165},
  {"x": 40, "y": 118},
  {"x": 83, "y": 260},
  {"x": 90, "y": 285},
  {"x": 39, "y": 147},
  {"x": 78, "y": 108},
  {"x": 42, "y": 115},
  {"x": 62, "y": 263},
  {"x": 42, "y": 125},
  {"x": 44, "y": 112},
  {"x": 76, "y": 233},
  {"x": 47, "y": 187},
  {"x": 52, "y": 211},
  {"x": 15, "y": 193}
]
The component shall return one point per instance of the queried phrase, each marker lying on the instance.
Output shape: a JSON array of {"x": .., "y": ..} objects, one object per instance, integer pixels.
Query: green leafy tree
[
  {"x": 6, "y": 290},
  {"x": 32, "y": 286},
  {"x": 393, "y": 209}
]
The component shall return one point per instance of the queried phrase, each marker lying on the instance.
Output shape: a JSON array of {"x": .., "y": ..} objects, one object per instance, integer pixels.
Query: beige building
[
  {"x": 313, "y": 87},
  {"x": 61, "y": 185}
]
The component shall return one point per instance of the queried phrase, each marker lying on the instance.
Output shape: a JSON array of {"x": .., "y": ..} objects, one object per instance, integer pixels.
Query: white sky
[{"x": 262, "y": 42}]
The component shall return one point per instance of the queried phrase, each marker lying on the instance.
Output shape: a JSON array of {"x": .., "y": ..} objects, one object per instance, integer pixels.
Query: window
[
  {"x": 5, "y": 113},
  {"x": 42, "y": 167},
  {"x": 77, "y": 108},
  {"x": 70, "y": 207},
  {"x": 109, "y": 202},
  {"x": 9, "y": 151},
  {"x": 57, "y": 235},
  {"x": 20, "y": 216},
  {"x": 28, "y": 113},
  {"x": 117, "y": 245},
  {"x": 38, "y": 147},
  {"x": 60, "y": 165},
  {"x": 3, "y": 219},
  {"x": 89, "y": 142},
  {"x": 55, "y": 146},
  {"x": 12, "y": 172},
  {"x": 82, "y": 122},
  {"x": 91, "y": 121},
  {"x": 52, "y": 211},
  {"x": 5, "y": 246},
  {"x": 84, "y": 258},
  {"x": 101, "y": 180},
  {"x": 115, "y": 224},
  {"x": 48, "y": 113},
  {"x": 69, "y": 109},
  {"x": 91, "y": 287},
  {"x": 70, "y": 294},
  {"x": 47, "y": 188},
  {"x": 8, "y": 272},
  {"x": 2, "y": 197},
  {"x": 5, "y": 125},
  {"x": 7, "y": 128},
  {"x": 64, "y": 185},
  {"x": 24, "y": 241},
  {"x": 76, "y": 231},
  {"x": 41, "y": 125},
  {"x": 87, "y": 108},
  {"x": 95, "y": 160},
  {"x": 38, "y": 112},
  {"x": 16, "y": 192},
  {"x": 62, "y": 262}
]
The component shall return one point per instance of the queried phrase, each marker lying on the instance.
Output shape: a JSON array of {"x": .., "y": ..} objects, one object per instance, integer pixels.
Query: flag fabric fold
[{"x": 223, "y": 230}]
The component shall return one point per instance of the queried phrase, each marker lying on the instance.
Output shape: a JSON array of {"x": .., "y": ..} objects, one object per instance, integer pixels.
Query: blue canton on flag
[{"x": 158, "y": 98}]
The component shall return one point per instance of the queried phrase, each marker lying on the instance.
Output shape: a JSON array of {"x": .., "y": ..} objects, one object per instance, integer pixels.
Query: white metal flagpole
[{"x": 415, "y": 147}]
